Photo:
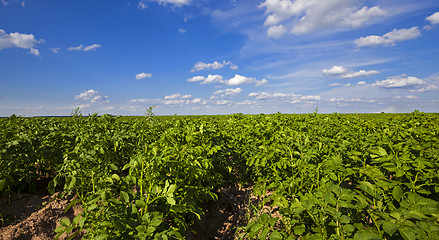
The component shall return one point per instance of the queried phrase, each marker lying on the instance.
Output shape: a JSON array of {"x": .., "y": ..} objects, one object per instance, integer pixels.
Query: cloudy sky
[{"x": 218, "y": 56}]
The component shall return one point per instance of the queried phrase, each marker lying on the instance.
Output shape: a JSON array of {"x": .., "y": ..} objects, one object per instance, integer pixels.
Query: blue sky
[{"x": 218, "y": 56}]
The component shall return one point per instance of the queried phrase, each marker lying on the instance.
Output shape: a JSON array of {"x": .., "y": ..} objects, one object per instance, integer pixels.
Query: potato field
[{"x": 316, "y": 176}]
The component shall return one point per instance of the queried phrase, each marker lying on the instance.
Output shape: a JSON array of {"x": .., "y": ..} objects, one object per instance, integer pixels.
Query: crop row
[{"x": 321, "y": 176}]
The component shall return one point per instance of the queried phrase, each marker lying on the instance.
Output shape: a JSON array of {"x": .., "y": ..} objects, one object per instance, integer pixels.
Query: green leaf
[
  {"x": 101, "y": 236},
  {"x": 348, "y": 228},
  {"x": 264, "y": 233},
  {"x": 2, "y": 184},
  {"x": 124, "y": 196},
  {"x": 389, "y": 228},
  {"x": 397, "y": 193},
  {"x": 72, "y": 204},
  {"x": 115, "y": 176},
  {"x": 299, "y": 230},
  {"x": 366, "y": 236},
  {"x": 264, "y": 218},
  {"x": 170, "y": 200},
  {"x": 113, "y": 167},
  {"x": 140, "y": 203},
  {"x": 92, "y": 207},
  {"x": 254, "y": 230},
  {"x": 345, "y": 219},
  {"x": 367, "y": 187},
  {"x": 382, "y": 152},
  {"x": 275, "y": 236},
  {"x": 407, "y": 233},
  {"x": 60, "y": 229},
  {"x": 76, "y": 219},
  {"x": 65, "y": 222}
]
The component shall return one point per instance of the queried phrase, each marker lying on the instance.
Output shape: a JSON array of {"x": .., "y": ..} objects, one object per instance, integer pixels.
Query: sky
[{"x": 218, "y": 56}]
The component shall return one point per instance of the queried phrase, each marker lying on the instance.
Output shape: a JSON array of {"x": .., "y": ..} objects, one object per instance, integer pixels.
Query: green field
[{"x": 327, "y": 176}]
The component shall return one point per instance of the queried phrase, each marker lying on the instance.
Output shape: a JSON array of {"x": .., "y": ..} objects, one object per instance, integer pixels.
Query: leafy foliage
[{"x": 329, "y": 176}]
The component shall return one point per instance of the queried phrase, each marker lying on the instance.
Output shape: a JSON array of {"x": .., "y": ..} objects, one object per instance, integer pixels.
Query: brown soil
[
  {"x": 224, "y": 218},
  {"x": 34, "y": 217}
]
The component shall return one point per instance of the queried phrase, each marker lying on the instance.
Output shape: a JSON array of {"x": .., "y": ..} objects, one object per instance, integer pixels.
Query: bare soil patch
[
  {"x": 225, "y": 217},
  {"x": 34, "y": 216}
]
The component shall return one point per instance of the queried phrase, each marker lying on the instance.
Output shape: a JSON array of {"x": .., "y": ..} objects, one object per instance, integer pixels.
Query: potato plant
[{"x": 323, "y": 176}]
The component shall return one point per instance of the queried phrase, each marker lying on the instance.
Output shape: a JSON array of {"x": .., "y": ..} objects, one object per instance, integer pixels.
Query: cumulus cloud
[
  {"x": 276, "y": 31},
  {"x": 19, "y": 40},
  {"x": 238, "y": 80},
  {"x": 143, "y": 75},
  {"x": 341, "y": 72},
  {"x": 92, "y": 96},
  {"x": 206, "y": 80},
  {"x": 434, "y": 19},
  {"x": 390, "y": 38},
  {"x": 311, "y": 15},
  {"x": 92, "y": 47},
  {"x": 215, "y": 65},
  {"x": 228, "y": 92},
  {"x": 177, "y": 3},
  {"x": 335, "y": 70},
  {"x": 399, "y": 81}
]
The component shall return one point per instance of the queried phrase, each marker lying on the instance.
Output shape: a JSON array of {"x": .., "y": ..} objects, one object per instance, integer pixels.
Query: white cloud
[
  {"x": 19, "y": 40},
  {"x": 142, "y": 5},
  {"x": 343, "y": 99},
  {"x": 92, "y": 95},
  {"x": 8, "y": 2},
  {"x": 177, "y": 3},
  {"x": 178, "y": 96},
  {"x": 314, "y": 15},
  {"x": 228, "y": 92},
  {"x": 390, "y": 38},
  {"x": 426, "y": 89},
  {"x": 361, "y": 82},
  {"x": 55, "y": 50},
  {"x": 276, "y": 31},
  {"x": 78, "y": 48},
  {"x": 408, "y": 97},
  {"x": 197, "y": 100},
  {"x": 291, "y": 98},
  {"x": 238, "y": 80},
  {"x": 206, "y": 80},
  {"x": 361, "y": 73},
  {"x": 92, "y": 47},
  {"x": 335, "y": 70},
  {"x": 35, "y": 52},
  {"x": 399, "y": 81},
  {"x": 222, "y": 102},
  {"x": 143, "y": 75},
  {"x": 215, "y": 65},
  {"x": 340, "y": 71},
  {"x": 181, "y": 30},
  {"x": 434, "y": 19}
]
